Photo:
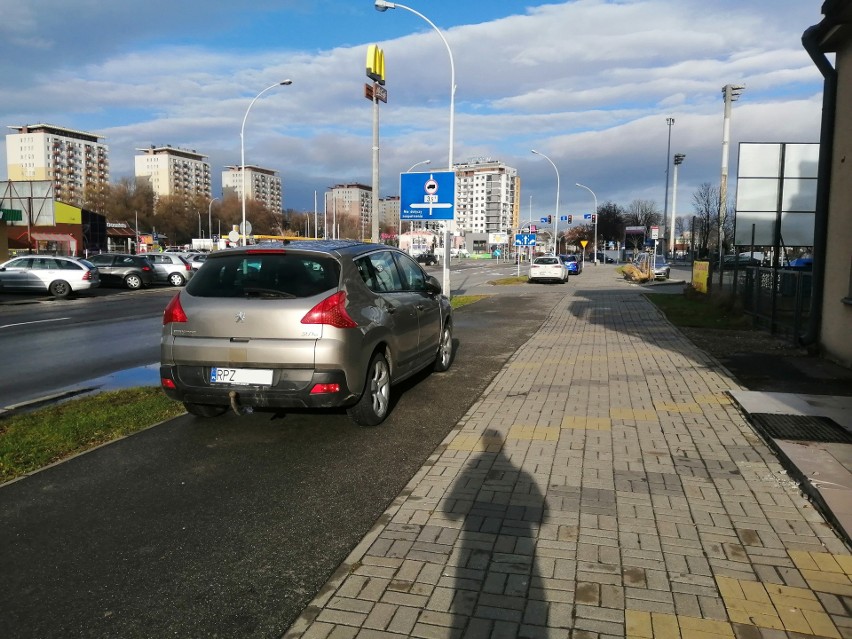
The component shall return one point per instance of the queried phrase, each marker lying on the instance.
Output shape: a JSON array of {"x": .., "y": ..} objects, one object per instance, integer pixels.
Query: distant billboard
[{"x": 776, "y": 194}]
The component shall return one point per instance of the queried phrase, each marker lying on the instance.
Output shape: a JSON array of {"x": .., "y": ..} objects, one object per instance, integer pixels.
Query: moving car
[
  {"x": 662, "y": 270},
  {"x": 572, "y": 264},
  {"x": 171, "y": 268},
  {"x": 427, "y": 258},
  {"x": 547, "y": 268},
  {"x": 121, "y": 269},
  {"x": 319, "y": 324},
  {"x": 54, "y": 274}
]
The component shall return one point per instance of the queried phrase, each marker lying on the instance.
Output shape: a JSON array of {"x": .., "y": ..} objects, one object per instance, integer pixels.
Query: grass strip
[
  {"x": 32, "y": 440},
  {"x": 463, "y": 300},
  {"x": 700, "y": 312}
]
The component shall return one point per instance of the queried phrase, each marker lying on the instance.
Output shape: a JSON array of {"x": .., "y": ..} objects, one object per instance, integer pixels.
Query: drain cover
[{"x": 802, "y": 428}]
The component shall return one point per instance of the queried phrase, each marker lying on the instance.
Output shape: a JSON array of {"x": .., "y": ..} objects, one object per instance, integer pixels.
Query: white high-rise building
[
  {"x": 487, "y": 196},
  {"x": 353, "y": 203},
  {"x": 173, "y": 171},
  {"x": 72, "y": 160},
  {"x": 263, "y": 185}
]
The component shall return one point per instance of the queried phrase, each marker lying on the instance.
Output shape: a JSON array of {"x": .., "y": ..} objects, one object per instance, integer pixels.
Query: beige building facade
[
  {"x": 73, "y": 160},
  {"x": 173, "y": 171},
  {"x": 262, "y": 185}
]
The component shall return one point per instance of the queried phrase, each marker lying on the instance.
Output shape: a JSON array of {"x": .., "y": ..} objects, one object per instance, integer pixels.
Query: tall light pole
[
  {"x": 582, "y": 186},
  {"x": 384, "y": 5},
  {"x": 730, "y": 92},
  {"x": 243, "y": 152},
  {"x": 670, "y": 122},
  {"x": 555, "y": 217},
  {"x": 678, "y": 160},
  {"x": 210, "y": 218}
]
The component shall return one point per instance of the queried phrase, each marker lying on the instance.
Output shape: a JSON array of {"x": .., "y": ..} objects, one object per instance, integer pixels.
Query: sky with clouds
[{"x": 589, "y": 83}]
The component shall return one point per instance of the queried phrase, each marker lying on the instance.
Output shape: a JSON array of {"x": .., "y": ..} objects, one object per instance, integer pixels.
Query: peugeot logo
[{"x": 240, "y": 317}]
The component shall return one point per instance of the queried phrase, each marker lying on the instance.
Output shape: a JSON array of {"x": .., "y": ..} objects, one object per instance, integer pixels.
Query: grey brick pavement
[{"x": 604, "y": 485}]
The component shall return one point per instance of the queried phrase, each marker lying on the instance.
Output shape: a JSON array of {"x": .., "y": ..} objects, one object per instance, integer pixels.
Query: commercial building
[
  {"x": 73, "y": 160},
  {"x": 262, "y": 185},
  {"x": 173, "y": 171}
]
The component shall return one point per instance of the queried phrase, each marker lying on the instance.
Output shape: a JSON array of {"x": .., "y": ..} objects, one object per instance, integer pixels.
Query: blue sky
[{"x": 589, "y": 83}]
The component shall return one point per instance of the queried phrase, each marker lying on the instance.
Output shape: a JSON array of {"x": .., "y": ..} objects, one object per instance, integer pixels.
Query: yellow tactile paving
[
  {"x": 582, "y": 422},
  {"x": 825, "y": 572},
  {"x": 689, "y": 407},
  {"x": 544, "y": 433},
  {"x": 776, "y": 607},
  {"x": 657, "y": 625},
  {"x": 475, "y": 442},
  {"x": 637, "y": 414}
]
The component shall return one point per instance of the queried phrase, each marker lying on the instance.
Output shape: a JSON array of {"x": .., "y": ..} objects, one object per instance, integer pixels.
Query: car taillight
[
  {"x": 88, "y": 274},
  {"x": 174, "y": 312},
  {"x": 188, "y": 266},
  {"x": 331, "y": 311},
  {"x": 146, "y": 268},
  {"x": 323, "y": 389}
]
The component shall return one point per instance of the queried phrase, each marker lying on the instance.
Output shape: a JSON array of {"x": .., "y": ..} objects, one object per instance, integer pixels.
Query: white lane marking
[{"x": 57, "y": 319}]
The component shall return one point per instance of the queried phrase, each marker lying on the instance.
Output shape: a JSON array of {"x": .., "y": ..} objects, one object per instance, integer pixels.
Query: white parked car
[
  {"x": 54, "y": 274},
  {"x": 547, "y": 269}
]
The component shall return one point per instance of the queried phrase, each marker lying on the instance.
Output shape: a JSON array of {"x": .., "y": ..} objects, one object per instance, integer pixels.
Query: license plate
[{"x": 241, "y": 376}]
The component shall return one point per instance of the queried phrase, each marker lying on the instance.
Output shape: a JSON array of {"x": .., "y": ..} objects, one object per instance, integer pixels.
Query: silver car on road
[{"x": 309, "y": 324}]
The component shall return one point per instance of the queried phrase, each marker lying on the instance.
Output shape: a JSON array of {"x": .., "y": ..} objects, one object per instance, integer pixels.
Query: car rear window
[{"x": 265, "y": 275}]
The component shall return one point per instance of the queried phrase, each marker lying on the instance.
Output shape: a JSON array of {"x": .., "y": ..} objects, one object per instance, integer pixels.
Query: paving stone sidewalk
[{"x": 603, "y": 486}]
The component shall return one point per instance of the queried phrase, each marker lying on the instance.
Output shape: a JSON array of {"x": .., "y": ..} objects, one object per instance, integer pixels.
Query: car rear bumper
[{"x": 290, "y": 389}]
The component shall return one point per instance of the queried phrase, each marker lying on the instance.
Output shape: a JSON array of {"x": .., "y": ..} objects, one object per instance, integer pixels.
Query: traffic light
[
  {"x": 594, "y": 218},
  {"x": 570, "y": 219},
  {"x": 550, "y": 219}
]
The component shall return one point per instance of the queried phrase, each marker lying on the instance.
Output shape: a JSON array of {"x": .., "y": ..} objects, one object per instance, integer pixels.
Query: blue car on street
[{"x": 572, "y": 264}]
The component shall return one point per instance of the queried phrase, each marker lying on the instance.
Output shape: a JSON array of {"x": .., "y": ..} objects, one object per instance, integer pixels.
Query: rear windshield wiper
[{"x": 266, "y": 292}]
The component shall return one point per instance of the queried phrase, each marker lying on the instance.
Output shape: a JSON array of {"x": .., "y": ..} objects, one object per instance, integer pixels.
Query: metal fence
[{"x": 778, "y": 300}]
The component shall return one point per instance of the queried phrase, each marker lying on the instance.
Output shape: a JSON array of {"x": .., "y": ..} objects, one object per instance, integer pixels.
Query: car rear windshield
[{"x": 278, "y": 275}]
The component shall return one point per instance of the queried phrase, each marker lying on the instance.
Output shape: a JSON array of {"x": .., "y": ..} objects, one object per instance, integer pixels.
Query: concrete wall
[{"x": 836, "y": 330}]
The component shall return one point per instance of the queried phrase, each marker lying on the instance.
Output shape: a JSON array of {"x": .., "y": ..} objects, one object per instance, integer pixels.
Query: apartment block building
[
  {"x": 173, "y": 171},
  {"x": 487, "y": 196},
  {"x": 351, "y": 204},
  {"x": 262, "y": 185},
  {"x": 73, "y": 160}
]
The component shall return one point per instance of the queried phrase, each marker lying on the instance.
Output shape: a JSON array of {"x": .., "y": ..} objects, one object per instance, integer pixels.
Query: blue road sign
[
  {"x": 563, "y": 218},
  {"x": 427, "y": 196},
  {"x": 543, "y": 220},
  {"x": 587, "y": 216},
  {"x": 524, "y": 239}
]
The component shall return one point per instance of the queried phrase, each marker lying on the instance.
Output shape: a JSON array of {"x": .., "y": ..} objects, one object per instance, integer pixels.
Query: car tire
[
  {"x": 176, "y": 279},
  {"x": 374, "y": 405},
  {"x": 445, "y": 350},
  {"x": 60, "y": 289},
  {"x": 204, "y": 410},
  {"x": 133, "y": 282}
]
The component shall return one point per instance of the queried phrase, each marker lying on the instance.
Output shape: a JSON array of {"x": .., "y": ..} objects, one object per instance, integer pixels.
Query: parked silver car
[
  {"x": 171, "y": 268},
  {"x": 310, "y": 324},
  {"x": 57, "y": 275}
]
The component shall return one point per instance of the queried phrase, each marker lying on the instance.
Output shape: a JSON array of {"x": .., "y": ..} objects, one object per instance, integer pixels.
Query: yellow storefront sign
[{"x": 700, "y": 275}]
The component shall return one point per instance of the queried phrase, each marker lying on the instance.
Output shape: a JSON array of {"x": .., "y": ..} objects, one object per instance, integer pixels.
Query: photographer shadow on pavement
[{"x": 497, "y": 584}]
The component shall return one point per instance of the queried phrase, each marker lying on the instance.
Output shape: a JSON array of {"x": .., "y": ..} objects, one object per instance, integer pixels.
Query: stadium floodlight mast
[
  {"x": 555, "y": 217},
  {"x": 283, "y": 83},
  {"x": 582, "y": 186},
  {"x": 384, "y": 5}
]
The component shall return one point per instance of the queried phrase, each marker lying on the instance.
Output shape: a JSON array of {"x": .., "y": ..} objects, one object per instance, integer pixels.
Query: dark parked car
[
  {"x": 427, "y": 258},
  {"x": 320, "y": 324},
  {"x": 120, "y": 269},
  {"x": 603, "y": 258}
]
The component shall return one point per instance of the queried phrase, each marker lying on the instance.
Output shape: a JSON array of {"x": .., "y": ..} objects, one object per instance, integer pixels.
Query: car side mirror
[{"x": 433, "y": 285}]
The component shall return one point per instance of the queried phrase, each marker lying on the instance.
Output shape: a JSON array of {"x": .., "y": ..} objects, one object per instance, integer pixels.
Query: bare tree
[
  {"x": 642, "y": 213},
  {"x": 705, "y": 202}
]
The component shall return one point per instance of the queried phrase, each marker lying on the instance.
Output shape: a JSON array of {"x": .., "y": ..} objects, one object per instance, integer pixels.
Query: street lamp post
[
  {"x": 730, "y": 93},
  {"x": 678, "y": 160},
  {"x": 596, "y": 217},
  {"x": 384, "y": 5},
  {"x": 555, "y": 217},
  {"x": 210, "y": 218},
  {"x": 243, "y": 152},
  {"x": 670, "y": 122}
]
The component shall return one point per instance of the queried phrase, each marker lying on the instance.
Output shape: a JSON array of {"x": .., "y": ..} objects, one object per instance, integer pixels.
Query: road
[{"x": 228, "y": 527}]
